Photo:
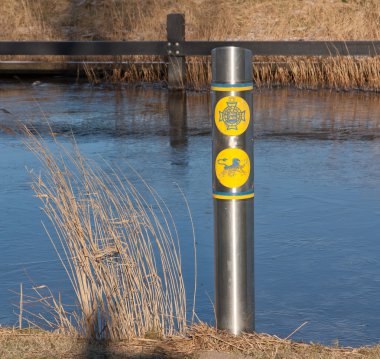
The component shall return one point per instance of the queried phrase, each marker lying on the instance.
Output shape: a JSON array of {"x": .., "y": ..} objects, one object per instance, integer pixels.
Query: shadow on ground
[{"x": 105, "y": 350}]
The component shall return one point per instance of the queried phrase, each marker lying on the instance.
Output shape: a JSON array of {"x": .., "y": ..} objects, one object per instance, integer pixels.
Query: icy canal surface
[{"x": 317, "y": 204}]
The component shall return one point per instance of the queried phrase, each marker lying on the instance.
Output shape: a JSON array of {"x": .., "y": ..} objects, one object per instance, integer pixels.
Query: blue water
[{"x": 317, "y": 202}]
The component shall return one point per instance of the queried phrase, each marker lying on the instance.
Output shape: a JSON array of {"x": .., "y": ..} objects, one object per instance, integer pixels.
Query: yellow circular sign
[
  {"x": 232, "y": 115},
  {"x": 232, "y": 167}
]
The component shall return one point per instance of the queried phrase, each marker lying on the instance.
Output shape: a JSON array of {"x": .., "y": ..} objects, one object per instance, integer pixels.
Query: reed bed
[
  {"x": 130, "y": 71},
  {"x": 120, "y": 251},
  {"x": 338, "y": 73}
]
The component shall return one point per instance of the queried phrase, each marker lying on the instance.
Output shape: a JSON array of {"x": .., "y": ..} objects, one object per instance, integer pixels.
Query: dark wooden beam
[
  {"x": 83, "y": 48},
  {"x": 287, "y": 48},
  {"x": 177, "y": 62}
]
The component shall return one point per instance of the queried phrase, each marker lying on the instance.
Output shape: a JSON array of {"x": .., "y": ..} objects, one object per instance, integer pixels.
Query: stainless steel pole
[{"x": 232, "y": 153}]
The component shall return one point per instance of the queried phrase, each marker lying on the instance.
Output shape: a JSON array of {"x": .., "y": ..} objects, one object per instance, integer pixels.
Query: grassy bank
[
  {"x": 146, "y": 20},
  {"x": 205, "y": 19},
  {"x": 200, "y": 341}
]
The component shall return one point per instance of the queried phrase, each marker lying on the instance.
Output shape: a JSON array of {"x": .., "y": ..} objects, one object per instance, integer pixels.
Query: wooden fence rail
[
  {"x": 189, "y": 48},
  {"x": 176, "y": 48}
]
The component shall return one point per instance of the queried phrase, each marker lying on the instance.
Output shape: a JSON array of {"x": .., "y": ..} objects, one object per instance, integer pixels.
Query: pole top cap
[{"x": 231, "y": 64}]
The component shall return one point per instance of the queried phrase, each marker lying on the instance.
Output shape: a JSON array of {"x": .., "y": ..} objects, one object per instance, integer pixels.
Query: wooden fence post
[{"x": 177, "y": 62}]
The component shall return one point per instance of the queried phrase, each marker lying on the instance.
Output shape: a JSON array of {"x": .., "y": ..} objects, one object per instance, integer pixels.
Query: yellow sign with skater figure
[{"x": 232, "y": 167}]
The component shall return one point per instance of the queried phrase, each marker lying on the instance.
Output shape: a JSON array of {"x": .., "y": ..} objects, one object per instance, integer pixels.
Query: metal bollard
[{"x": 232, "y": 156}]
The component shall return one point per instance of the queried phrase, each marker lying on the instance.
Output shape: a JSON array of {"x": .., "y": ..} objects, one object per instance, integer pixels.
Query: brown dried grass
[
  {"x": 120, "y": 251},
  {"x": 199, "y": 341},
  {"x": 339, "y": 73},
  {"x": 202, "y": 337},
  {"x": 343, "y": 73},
  {"x": 205, "y": 19}
]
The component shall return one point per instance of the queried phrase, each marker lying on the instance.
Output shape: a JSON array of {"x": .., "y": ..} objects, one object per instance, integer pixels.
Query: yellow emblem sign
[
  {"x": 232, "y": 167},
  {"x": 232, "y": 115}
]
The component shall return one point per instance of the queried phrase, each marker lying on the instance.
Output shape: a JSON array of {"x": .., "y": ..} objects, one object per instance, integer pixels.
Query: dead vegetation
[
  {"x": 245, "y": 20},
  {"x": 343, "y": 73},
  {"x": 199, "y": 341},
  {"x": 146, "y": 20},
  {"x": 119, "y": 249}
]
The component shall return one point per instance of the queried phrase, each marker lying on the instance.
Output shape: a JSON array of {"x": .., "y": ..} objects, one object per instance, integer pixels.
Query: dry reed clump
[
  {"x": 120, "y": 252},
  {"x": 341, "y": 73},
  {"x": 137, "y": 69}
]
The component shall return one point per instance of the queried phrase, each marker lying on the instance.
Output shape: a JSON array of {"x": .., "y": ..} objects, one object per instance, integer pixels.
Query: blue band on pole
[{"x": 246, "y": 84}]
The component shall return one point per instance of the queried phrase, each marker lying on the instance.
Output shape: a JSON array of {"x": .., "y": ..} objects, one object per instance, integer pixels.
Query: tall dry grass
[
  {"x": 129, "y": 70},
  {"x": 201, "y": 342},
  {"x": 120, "y": 251},
  {"x": 343, "y": 73},
  {"x": 339, "y": 73},
  {"x": 206, "y": 20}
]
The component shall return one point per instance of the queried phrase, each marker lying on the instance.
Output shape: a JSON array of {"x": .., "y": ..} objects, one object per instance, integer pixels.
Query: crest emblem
[{"x": 232, "y": 115}]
